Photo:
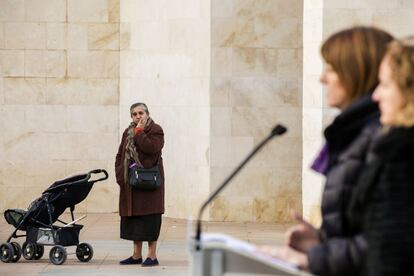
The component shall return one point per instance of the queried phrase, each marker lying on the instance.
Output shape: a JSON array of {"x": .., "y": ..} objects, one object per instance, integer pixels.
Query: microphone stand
[{"x": 277, "y": 130}]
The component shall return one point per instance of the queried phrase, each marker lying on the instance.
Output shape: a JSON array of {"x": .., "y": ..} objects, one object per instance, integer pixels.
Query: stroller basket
[{"x": 65, "y": 236}]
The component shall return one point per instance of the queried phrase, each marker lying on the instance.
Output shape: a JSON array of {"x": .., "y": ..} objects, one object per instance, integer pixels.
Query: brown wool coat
[{"x": 132, "y": 202}]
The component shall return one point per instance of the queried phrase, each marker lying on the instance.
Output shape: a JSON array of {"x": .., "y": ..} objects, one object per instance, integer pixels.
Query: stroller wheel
[
  {"x": 28, "y": 250},
  {"x": 17, "y": 252},
  {"x": 40, "y": 249},
  {"x": 57, "y": 255},
  {"x": 7, "y": 252},
  {"x": 84, "y": 252}
]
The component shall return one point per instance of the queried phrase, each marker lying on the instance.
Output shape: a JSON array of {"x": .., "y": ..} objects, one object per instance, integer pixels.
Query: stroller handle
[
  {"x": 83, "y": 180},
  {"x": 97, "y": 171}
]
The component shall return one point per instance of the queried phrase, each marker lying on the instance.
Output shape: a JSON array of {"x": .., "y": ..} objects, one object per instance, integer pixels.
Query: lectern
[{"x": 216, "y": 254}]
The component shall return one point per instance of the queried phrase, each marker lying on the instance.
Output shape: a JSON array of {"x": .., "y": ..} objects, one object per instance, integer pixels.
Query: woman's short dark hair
[
  {"x": 144, "y": 106},
  {"x": 355, "y": 54}
]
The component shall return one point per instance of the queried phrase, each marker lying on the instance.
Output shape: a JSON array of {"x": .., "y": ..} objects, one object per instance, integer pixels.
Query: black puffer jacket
[
  {"x": 348, "y": 139},
  {"x": 384, "y": 204}
]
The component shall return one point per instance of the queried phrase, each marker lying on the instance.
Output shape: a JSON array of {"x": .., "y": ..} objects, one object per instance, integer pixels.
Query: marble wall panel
[
  {"x": 264, "y": 92},
  {"x": 220, "y": 91},
  {"x": 56, "y": 36},
  {"x": 314, "y": 190},
  {"x": 46, "y": 118},
  {"x": 248, "y": 62},
  {"x": 366, "y": 4},
  {"x": 178, "y": 9},
  {"x": 35, "y": 36},
  {"x": 56, "y": 64},
  {"x": 93, "y": 64},
  {"x": 1, "y": 91},
  {"x": 222, "y": 8},
  {"x": 11, "y": 173},
  {"x": 223, "y": 32},
  {"x": 245, "y": 121},
  {"x": 148, "y": 34},
  {"x": 77, "y": 91},
  {"x": 114, "y": 11},
  {"x": 91, "y": 119},
  {"x": 35, "y": 63},
  {"x": 103, "y": 36},
  {"x": 95, "y": 11},
  {"x": 24, "y": 91},
  {"x": 45, "y": 10},
  {"x": 397, "y": 21},
  {"x": 187, "y": 33},
  {"x": 234, "y": 208},
  {"x": 77, "y": 38},
  {"x": 407, "y": 4},
  {"x": 2, "y": 36},
  {"x": 277, "y": 208},
  {"x": 312, "y": 93},
  {"x": 125, "y": 36},
  {"x": 14, "y": 197},
  {"x": 221, "y": 120},
  {"x": 12, "y": 63},
  {"x": 252, "y": 181},
  {"x": 12, "y": 10},
  {"x": 221, "y": 61},
  {"x": 14, "y": 35},
  {"x": 137, "y": 10}
]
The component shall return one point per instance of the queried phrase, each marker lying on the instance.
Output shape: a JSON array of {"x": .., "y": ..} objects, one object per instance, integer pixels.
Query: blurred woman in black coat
[{"x": 384, "y": 201}]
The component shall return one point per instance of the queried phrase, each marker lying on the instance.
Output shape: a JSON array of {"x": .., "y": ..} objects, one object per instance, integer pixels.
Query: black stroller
[{"x": 38, "y": 222}]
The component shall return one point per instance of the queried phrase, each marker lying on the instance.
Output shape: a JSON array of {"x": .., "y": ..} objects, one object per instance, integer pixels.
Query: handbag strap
[{"x": 141, "y": 166}]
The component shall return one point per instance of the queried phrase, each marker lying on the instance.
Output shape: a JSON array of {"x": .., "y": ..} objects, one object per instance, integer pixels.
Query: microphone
[{"x": 276, "y": 131}]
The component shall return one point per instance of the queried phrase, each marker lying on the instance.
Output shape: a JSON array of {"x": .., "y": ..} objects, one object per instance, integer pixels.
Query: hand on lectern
[
  {"x": 287, "y": 254},
  {"x": 303, "y": 236}
]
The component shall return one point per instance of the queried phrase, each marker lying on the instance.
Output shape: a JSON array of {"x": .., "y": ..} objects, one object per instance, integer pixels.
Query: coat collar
[
  {"x": 395, "y": 143},
  {"x": 350, "y": 122}
]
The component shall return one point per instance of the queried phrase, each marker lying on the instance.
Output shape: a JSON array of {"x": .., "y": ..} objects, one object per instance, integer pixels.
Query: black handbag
[{"x": 144, "y": 179}]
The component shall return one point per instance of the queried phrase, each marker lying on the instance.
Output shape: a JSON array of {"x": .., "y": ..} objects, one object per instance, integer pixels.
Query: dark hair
[
  {"x": 355, "y": 55},
  {"x": 144, "y": 106}
]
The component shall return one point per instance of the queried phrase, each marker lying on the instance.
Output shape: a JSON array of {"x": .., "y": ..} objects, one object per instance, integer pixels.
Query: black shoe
[
  {"x": 130, "y": 261},
  {"x": 150, "y": 262}
]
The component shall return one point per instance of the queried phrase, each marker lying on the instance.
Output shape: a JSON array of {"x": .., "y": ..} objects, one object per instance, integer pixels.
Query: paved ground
[{"x": 102, "y": 232}]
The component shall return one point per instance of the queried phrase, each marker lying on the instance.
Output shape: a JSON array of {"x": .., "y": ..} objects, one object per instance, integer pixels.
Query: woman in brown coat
[{"x": 140, "y": 211}]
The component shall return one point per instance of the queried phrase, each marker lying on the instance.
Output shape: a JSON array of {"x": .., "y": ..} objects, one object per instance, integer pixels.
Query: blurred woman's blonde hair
[
  {"x": 355, "y": 55},
  {"x": 400, "y": 57}
]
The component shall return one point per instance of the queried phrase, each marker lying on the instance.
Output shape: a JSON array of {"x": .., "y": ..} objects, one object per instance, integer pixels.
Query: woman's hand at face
[{"x": 141, "y": 123}]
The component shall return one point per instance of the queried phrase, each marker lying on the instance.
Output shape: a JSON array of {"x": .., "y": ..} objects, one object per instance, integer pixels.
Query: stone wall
[
  {"x": 255, "y": 82},
  {"x": 59, "y": 96}
]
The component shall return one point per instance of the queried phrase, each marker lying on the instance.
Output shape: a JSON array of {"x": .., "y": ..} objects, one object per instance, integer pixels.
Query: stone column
[
  {"x": 256, "y": 77},
  {"x": 312, "y": 107},
  {"x": 165, "y": 63}
]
